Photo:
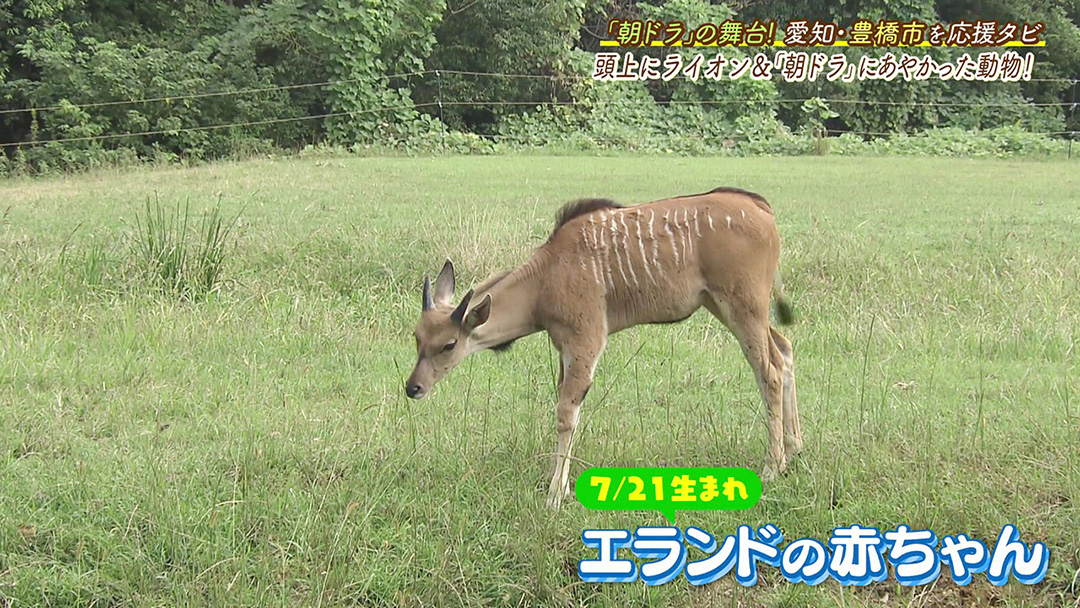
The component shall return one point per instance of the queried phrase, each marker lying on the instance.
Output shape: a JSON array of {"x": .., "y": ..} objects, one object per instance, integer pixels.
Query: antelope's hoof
[
  {"x": 557, "y": 495},
  {"x": 792, "y": 446},
  {"x": 771, "y": 472},
  {"x": 554, "y": 502}
]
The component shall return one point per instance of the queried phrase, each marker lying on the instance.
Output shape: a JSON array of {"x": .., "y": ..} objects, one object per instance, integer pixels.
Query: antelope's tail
[{"x": 784, "y": 314}]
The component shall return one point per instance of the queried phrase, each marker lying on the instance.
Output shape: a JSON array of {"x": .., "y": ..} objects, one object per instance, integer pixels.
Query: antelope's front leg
[{"x": 576, "y": 380}]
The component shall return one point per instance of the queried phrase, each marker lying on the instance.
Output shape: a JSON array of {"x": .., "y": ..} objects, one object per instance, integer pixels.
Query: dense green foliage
[{"x": 108, "y": 82}]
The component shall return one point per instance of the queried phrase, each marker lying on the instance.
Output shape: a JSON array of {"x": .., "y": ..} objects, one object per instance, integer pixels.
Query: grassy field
[{"x": 254, "y": 447}]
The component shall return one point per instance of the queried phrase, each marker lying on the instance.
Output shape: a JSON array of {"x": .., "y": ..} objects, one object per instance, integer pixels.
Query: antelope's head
[{"x": 442, "y": 336}]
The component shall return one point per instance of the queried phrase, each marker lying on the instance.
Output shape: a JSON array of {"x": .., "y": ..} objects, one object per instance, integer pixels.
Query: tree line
[{"x": 86, "y": 82}]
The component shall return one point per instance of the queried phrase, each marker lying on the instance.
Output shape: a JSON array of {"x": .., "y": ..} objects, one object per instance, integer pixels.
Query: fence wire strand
[
  {"x": 253, "y": 123},
  {"x": 175, "y": 98},
  {"x": 324, "y": 83},
  {"x": 440, "y": 102}
]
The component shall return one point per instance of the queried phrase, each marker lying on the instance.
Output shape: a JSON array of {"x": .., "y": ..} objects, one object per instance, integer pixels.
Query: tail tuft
[{"x": 784, "y": 314}]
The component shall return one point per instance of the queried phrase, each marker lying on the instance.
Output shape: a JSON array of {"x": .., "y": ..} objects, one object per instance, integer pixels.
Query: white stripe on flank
[
  {"x": 591, "y": 250},
  {"x": 689, "y": 237},
  {"x": 595, "y": 271},
  {"x": 629, "y": 259},
  {"x": 615, "y": 246},
  {"x": 674, "y": 246},
  {"x": 744, "y": 214},
  {"x": 729, "y": 221},
  {"x": 641, "y": 244},
  {"x": 684, "y": 234},
  {"x": 655, "y": 245},
  {"x": 606, "y": 261},
  {"x": 697, "y": 227},
  {"x": 711, "y": 227}
]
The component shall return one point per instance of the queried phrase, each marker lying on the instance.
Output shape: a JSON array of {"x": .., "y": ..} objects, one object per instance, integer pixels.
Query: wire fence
[
  {"x": 168, "y": 99},
  {"x": 176, "y": 98},
  {"x": 440, "y": 102}
]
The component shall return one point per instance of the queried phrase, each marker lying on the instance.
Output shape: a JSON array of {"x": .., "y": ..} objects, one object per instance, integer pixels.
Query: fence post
[
  {"x": 438, "y": 86},
  {"x": 1072, "y": 115},
  {"x": 438, "y": 98}
]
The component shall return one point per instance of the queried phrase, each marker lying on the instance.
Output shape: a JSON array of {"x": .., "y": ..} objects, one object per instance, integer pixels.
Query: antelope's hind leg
[
  {"x": 750, "y": 324},
  {"x": 793, "y": 441},
  {"x": 578, "y": 357}
]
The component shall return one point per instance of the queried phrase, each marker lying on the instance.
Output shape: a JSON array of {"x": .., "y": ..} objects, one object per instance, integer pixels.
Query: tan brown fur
[{"x": 606, "y": 268}]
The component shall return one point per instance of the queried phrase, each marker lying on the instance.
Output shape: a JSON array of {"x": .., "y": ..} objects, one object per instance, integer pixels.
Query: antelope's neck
[{"x": 513, "y": 305}]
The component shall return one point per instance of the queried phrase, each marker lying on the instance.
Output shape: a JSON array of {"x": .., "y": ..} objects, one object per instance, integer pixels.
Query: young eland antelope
[{"x": 606, "y": 268}]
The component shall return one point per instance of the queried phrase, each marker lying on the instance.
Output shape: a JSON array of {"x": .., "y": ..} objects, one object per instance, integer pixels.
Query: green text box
[{"x": 668, "y": 489}]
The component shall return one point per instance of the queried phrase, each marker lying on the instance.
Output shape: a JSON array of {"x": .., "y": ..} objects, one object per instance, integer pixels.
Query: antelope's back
[{"x": 654, "y": 263}]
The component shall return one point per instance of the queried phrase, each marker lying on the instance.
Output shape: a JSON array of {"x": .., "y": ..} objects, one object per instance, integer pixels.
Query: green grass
[{"x": 255, "y": 448}]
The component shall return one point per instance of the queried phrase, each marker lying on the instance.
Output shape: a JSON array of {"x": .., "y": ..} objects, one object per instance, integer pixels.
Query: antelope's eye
[{"x": 449, "y": 346}]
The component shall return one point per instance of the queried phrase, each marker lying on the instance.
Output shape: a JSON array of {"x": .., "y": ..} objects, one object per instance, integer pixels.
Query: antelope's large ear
[
  {"x": 479, "y": 314},
  {"x": 458, "y": 316},
  {"x": 427, "y": 303},
  {"x": 444, "y": 284}
]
